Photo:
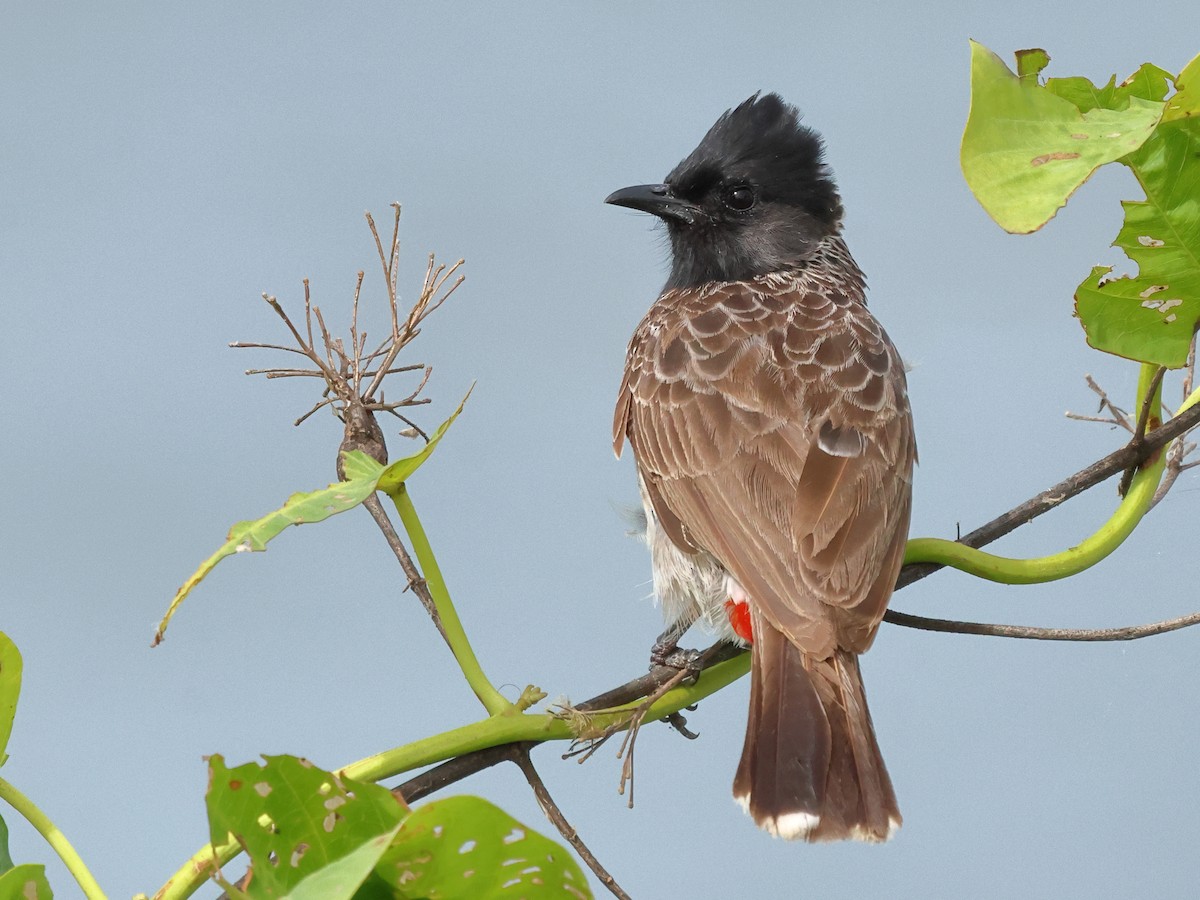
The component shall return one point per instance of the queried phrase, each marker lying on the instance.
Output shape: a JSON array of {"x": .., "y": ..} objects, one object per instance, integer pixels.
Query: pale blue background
[{"x": 161, "y": 164}]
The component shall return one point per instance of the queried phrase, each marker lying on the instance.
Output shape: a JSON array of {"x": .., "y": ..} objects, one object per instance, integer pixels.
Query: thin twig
[
  {"x": 1144, "y": 415},
  {"x": 313, "y": 373},
  {"x": 411, "y": 424},
  {"x": 308, "y": 313},
  {"x": 395, "y": 242},
  {"x": 383, "y": 258},
  {"x": 1032, "y": 633},
  {"x": 356, "y": 340},
  {"x": 383, "y": 406},
  {"x": 325, "y": 402},
  {"x": 335, "y": 379},
  {"x": 555, "y": 815},
  {"x": 1189, "y": 371},
  {"x": 240, "y": 345},
  {"x": 274, "y": 304},
  {"x": 415, "y": 581},
  {"x": 1117, "y": 416},
  {"x": 1101, "y": 420},
  {"x": 634, "y": 726},
  {"x": 286, "y": 373}
]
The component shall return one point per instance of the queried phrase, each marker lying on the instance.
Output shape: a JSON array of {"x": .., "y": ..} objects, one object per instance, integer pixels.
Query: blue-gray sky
[{"x": 161, "y": 164}]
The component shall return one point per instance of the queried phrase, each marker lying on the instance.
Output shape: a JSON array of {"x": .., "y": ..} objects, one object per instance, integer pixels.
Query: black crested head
[{"x": 754, "y": 197}]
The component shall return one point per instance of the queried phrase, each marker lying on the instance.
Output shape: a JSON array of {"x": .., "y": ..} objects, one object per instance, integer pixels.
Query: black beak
[{"x": 656, "y": 199}]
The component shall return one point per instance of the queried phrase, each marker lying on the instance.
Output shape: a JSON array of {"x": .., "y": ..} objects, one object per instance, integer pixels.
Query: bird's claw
[{"x": 679, "y": 723}]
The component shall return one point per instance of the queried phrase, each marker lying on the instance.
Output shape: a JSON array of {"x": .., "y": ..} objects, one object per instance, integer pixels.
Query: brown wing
[{"x": 770, "y": 421}]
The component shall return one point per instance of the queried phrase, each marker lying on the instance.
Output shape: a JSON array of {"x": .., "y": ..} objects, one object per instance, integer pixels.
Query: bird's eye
[{"x": 739, "y": 197}]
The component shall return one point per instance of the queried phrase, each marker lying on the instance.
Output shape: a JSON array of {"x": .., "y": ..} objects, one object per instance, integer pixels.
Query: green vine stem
[
  {"x": 506, "y": 729},
  {"x": 456, "y": 636},
  {"x": 55, "y": 838},
  {"x": 199, "y": 867},
  {"x": 1137, "y": 501}
]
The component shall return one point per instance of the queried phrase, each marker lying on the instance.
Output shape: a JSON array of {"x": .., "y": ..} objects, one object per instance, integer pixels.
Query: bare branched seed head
[{"x": 354, "y": 377}]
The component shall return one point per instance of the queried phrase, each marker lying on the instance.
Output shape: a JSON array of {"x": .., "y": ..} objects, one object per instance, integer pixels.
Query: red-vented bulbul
[{"x": 769, "y": 418}]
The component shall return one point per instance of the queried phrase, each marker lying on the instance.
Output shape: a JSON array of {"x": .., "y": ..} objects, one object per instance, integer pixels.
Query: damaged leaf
[
  {"x": 25, "y": 882},
  {"x": 1026, "y": 149},
  {"x": 308, "y": 833},
  {"x": 1151, "y": 316},
  {"x": 465, "y": 848}
]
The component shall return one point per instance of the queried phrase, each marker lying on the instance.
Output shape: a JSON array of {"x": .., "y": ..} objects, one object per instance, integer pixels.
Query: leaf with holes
[
  {"x": 1025, "y": 149},
  {"x": 308, "y": 833},
  {"x": 363, "y": 476},
  {"x": 465, "y": 848},
  {"x": 26, "y": 882},
  {"x": 1152, "y": 316},
  {"x": 10, "y": 689}
]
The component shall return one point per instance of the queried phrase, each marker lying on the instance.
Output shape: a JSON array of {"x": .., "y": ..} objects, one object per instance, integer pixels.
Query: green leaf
[
  {"x": 302, "y": 509},
  {"x": 1186, "y": 102},
  {"x": 363, "y": 477},
  {"x": 1030, "y": 63},
  {"x": 1148, "y": 83},
  {"x": 1152, "y": 316},
  {"x": 402, "y": 469},
  {"x": 465, "y": 848},
  {"x": 1026, "y": 149},
  {"x": 310, "y": 834},
  {"x": 10, "y": 689},
  {"x": 1082, "y": 94},
  {"x": 6, "y": 862},
  {"x": 362, "y": 472},
  {"x": 26, "y": 882}
]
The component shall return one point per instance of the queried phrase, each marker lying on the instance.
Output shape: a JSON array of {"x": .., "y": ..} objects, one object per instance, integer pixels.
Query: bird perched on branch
[{"x": 768, "y": 415}]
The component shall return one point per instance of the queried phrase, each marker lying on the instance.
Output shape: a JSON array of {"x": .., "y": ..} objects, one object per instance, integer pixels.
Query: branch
[
  {"x": 554, "y": 814},
  {"x": 1031, "y": 633}
]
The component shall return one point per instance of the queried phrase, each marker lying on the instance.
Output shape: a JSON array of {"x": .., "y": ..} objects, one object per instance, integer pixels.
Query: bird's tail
[{"x": 811, "y": 767}]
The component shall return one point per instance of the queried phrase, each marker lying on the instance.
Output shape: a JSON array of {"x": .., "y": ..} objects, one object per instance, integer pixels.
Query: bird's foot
[
  {"x": 666, "y": 650},
  {"x": 676, "y": 658}
]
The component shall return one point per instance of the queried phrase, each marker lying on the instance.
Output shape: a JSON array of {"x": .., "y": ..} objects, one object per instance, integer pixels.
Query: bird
[{"x": 769, "y": 419}]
